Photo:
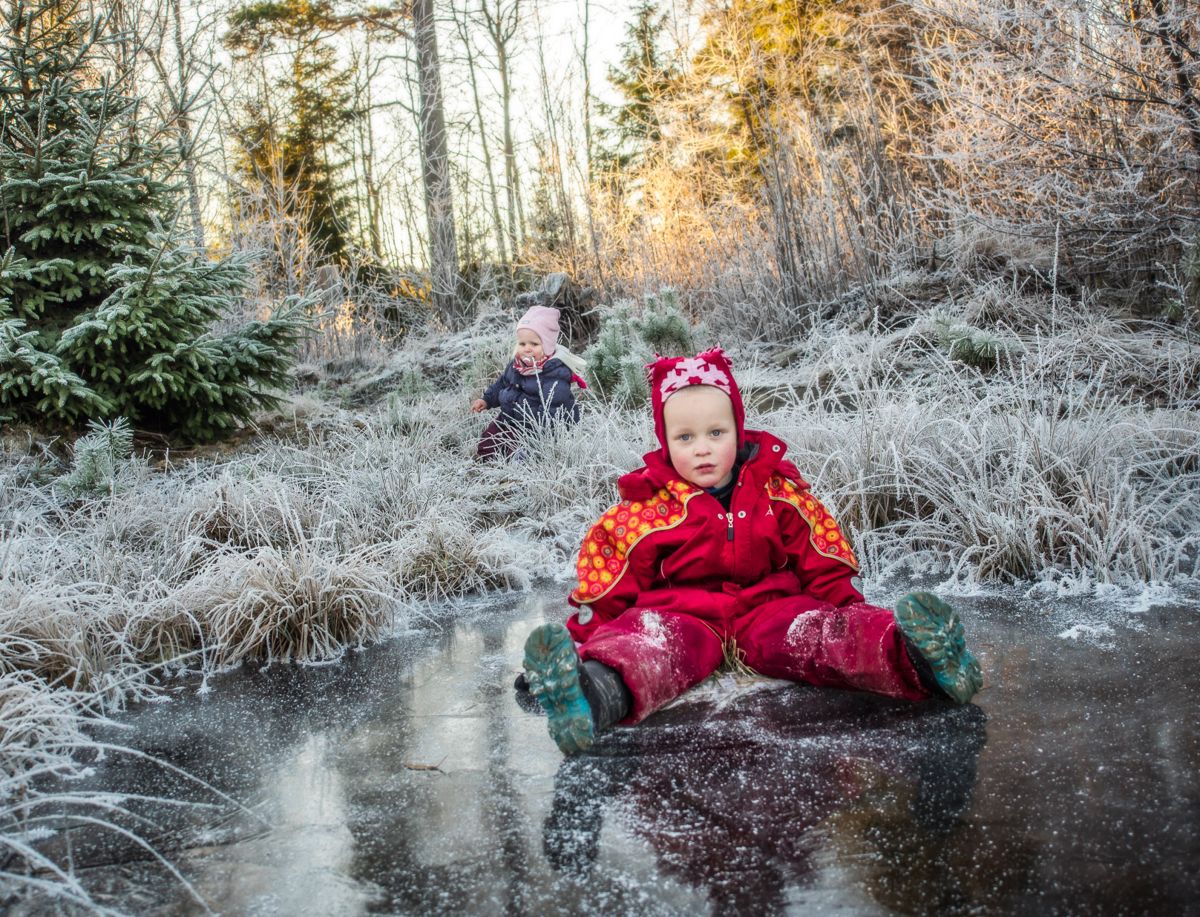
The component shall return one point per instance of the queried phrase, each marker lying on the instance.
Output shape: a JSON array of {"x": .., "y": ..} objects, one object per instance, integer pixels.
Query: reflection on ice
[
  {"x": 305, "y": 866},
  {"x": 406, "y": 780},
  {"x": 875, "y": 792}
]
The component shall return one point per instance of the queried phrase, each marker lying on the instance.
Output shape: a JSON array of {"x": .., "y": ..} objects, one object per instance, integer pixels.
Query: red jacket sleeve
[
  {"x": 610, "y": 577},
  {"x": 817, "y": 551}
]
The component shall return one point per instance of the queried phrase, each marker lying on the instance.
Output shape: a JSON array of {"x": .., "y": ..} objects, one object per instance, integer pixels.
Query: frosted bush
[
  {"x": 61, "y": 632},
  {"x": 447, "y": 561},
  {"x": 296, "y": 605},
  {"x": 630, "y": 335},
  {"x": 99, "y": 458},
  {"x": 1016, "y": 480},
  {"x": 967, "y": 344}
]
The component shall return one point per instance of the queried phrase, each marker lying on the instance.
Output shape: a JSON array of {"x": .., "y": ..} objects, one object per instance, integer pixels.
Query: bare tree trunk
[
  {"x": 367, "y": 139},
  {"x": 358, "y": 147},
  {"x": 562, "y": 202},
  {"x": 183, "y": 122},
  {"x": 512, "y": 181},
  {"x": 435, "y": 168},
  {"x": 411, "y": 231},
  {"x": 497, "y": 223},
  {"x": 467, "y": 239},
  {"x": 587, "y": 89},
  {"x": 502, "y": 26},
  {"x": 589, "y": 177}
]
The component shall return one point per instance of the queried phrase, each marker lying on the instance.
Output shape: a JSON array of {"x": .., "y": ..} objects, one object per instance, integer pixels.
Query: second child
[{"x": 533, "y": 390}]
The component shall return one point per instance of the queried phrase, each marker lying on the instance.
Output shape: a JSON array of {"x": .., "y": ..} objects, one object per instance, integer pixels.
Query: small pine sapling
[
  {"x": 629, "y": 338},
  {"x": 98, "y": 459},
  {"x": 104, "y": 311},
  {"x": 967, "y": 344}
]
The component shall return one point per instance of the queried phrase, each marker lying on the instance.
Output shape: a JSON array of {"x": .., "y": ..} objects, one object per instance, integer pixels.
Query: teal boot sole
[
  {"x": 552, "y": 670},
  {"x": 934, "y": 629}
]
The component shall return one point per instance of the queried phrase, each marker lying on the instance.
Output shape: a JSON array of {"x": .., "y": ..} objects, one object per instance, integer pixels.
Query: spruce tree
[
  {"x": 301, "y": 145},
  {"x": 642, "y": 78},
  {"x": 630, "y": 337},
  {"x": 105, "y": 310}
]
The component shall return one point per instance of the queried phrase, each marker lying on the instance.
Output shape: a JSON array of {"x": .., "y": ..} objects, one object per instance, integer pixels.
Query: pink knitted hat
[
  {"x": 669, "y": 375},
  {"x": 542, "y": 321}
]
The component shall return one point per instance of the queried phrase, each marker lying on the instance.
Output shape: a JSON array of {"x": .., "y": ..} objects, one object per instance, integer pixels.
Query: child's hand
[{"x": 478, "y": 405}]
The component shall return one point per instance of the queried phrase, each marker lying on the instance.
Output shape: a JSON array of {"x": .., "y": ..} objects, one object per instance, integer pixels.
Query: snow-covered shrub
[
  {"x": 630, "y": 335},
  {"x": 302, "y": 604},
  {"x": 962, "y": 342},
  {"x": 237, "y": 514},
  {"x": 99, "y": 457},
  {"x": 69, "y": 634},
  {"x": 1185, "y": 285},
  {"x": 446, "y": 561},
  {"x": 663, "y": 326},
  {"x": 412, "y": 382},
  {"x": 1034, "y": 91},
  {"x": 1043, "y": 470}
]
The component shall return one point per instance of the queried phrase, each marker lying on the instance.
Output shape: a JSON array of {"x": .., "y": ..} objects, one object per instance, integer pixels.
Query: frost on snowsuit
[{"x": 668, "y": 579}]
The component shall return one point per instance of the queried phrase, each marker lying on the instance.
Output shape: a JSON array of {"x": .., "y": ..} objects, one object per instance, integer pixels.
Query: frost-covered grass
[
  {"x": 1075, "y": 460},
  {"x": 43, "y": 746},
  {"x": 1067, "y": 457},
  {"x": 296, "y": 549},
  {"x": 1073, "y": 457}
]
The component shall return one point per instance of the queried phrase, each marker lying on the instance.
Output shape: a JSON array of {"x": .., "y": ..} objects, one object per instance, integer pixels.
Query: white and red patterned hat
[{"x": 669, "y": 375}]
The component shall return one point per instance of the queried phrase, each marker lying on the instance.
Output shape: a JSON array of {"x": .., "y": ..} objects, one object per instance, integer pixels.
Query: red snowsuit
[{"x": 668, "y": 579}]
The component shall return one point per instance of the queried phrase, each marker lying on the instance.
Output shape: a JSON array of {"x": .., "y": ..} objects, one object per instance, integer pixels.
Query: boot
[
  {"x": 606, "y": 694},
  {"x": 580, "y": 699},
  {"x": 934, "y": 638}
]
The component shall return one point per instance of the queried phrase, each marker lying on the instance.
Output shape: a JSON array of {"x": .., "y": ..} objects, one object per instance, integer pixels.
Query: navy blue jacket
[{"x": 533, "y": 399}]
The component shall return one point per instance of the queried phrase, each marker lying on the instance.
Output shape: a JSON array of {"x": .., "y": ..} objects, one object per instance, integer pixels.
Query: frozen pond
[{"x": 405, "y": 780}]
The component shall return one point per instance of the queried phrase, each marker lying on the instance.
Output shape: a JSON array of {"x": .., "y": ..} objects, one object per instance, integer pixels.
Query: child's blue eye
[{"x": 684, "y": 437}]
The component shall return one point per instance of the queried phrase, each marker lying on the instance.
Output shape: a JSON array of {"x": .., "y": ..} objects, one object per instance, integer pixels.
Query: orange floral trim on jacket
[
  {"x": 604, "y": 556},
  {"x": 824, "y": 533}
]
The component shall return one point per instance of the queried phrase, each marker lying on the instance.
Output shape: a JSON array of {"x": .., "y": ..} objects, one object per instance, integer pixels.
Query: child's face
[
  {"x": 701, "y": 435},
  {"x": 529, "y": 345}
]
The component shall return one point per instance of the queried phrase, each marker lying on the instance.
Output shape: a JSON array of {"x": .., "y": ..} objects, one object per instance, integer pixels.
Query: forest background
[{"x": 264, "y": 254}]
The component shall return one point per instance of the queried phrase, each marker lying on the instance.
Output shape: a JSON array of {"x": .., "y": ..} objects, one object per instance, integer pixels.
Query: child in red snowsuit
[{"x": 718, "y": 546}]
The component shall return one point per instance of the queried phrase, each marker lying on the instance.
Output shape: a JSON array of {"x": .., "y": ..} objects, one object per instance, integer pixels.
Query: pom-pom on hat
[
  {"x": 542, "y": 321},
  {"x": 669, "y": 375}
]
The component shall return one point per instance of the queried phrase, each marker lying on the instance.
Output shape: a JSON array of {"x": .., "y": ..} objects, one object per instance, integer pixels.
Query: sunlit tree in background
[
  {"x": 643, "y": 76},
  {"x": 1075, "y": 128},
  {"x": 297, "y": 145}
]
